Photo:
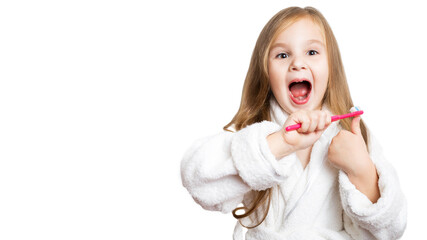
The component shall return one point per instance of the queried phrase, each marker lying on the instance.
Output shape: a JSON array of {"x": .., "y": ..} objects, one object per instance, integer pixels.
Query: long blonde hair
[{"x": 255, "y": 105}]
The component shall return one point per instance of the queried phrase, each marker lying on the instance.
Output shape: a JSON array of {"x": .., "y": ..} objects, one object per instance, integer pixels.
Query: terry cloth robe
[{"x": 318, "y": 202}]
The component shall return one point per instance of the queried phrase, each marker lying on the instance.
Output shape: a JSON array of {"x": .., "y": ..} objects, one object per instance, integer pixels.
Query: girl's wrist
[
  {"x": 367, "y": 182},
  {"x": 363, "y": 167}
]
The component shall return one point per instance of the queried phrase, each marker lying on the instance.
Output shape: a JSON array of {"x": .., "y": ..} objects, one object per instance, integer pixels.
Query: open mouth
[{"x": 300, "y": 91}]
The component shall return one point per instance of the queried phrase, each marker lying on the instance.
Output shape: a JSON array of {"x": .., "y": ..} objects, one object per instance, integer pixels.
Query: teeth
[{"x": 300, "y": 98}]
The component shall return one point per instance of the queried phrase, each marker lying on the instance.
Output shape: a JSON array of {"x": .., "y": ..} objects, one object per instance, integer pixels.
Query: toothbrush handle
[
  {"x": 333, "y": 119},
  {"x": 338, "y": 117},
  {"x": 293, "y": 127}
]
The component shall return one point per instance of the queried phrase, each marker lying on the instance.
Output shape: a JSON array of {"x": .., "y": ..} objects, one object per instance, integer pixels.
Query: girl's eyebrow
[
  {"x": 315, "y": 41},
  {"x": 281, "y": 44}
]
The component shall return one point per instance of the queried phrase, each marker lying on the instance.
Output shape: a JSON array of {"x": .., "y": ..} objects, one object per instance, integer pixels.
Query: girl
[{"x": 325, "y": 180}]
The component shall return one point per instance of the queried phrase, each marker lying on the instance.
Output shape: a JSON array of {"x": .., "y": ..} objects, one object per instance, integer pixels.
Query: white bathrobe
[{"x": 318, "y": 202}]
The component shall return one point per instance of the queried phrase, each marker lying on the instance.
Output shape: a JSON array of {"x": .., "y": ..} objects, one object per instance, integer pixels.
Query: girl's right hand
[{"x": 313, "y": 123}]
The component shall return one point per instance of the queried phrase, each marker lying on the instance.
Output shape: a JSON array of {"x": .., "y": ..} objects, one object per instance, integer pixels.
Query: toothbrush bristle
[{"x": 355, "y": 109}]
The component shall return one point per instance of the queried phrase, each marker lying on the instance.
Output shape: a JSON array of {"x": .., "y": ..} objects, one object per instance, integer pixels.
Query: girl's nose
[{"x": 297, "y": 64}]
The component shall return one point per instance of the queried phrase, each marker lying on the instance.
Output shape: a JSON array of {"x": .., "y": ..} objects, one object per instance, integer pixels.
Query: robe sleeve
[
  {"x": 385, "y": 219},
  {"x": 219, "y": 170}
]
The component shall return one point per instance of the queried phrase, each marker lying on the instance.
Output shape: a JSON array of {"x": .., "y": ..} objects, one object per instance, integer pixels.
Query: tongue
[{"x": 299, "y": 89}]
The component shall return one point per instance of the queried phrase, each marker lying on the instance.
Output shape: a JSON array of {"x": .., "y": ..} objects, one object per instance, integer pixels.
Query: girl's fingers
[
  {"x": 305, "y": 122},
  {"x": 328, "y": 118},
  {"x": 322, "y": 120},
  {"x": 314, "y": 123}
]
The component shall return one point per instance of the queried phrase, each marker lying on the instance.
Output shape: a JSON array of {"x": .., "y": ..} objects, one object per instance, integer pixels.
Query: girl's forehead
[{"x": 303, "y": 30}]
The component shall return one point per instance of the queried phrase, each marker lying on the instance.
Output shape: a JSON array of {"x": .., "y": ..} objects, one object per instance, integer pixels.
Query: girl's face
[{"x": 298, "y": 67}]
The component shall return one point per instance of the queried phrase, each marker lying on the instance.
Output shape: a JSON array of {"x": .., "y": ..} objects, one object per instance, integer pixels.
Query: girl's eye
[
  {"x": 282, "y": 55},
  {"x": 312, "y": 52}
]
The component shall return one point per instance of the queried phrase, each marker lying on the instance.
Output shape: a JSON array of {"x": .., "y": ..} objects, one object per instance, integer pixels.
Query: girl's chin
[
  {"x": 290, "y": 107},
  {"x": 307, "y": 106}
]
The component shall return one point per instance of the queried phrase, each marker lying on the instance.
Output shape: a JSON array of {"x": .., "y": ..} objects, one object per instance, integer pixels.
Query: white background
[{"x": 100, "y": 99}]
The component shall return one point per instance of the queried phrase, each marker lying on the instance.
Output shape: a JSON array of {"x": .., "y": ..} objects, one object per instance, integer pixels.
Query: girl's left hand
[{"x": 348, "y": 151}]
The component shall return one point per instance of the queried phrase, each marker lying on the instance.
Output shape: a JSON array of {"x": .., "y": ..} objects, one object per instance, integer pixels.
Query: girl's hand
[
  {"x": 348, "y": 151},
  {"x": 313, "y": 123}
]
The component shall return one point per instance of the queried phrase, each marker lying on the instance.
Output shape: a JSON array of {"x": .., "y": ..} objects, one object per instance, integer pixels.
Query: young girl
[{"x": 325, "y": 180}]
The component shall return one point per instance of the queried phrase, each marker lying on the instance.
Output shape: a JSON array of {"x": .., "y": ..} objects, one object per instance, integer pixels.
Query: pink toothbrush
[{"x": 355, "y": 111}]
